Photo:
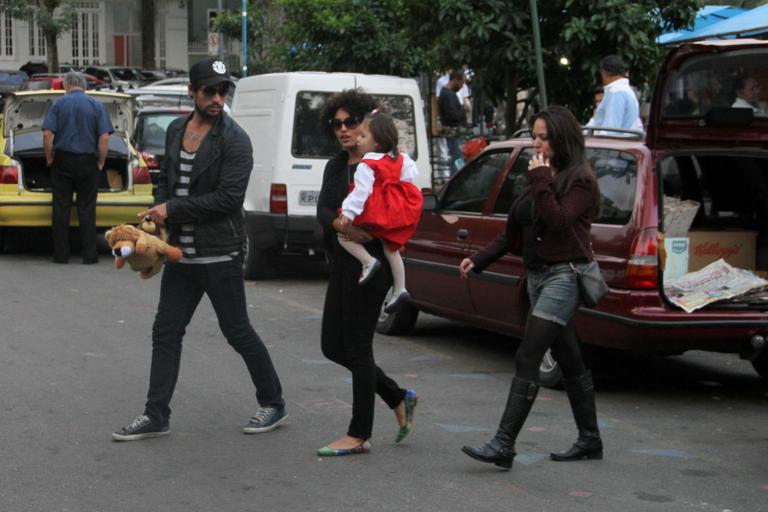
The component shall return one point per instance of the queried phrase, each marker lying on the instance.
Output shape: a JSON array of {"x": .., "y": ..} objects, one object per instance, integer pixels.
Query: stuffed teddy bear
[{"x": 144, "y": 252}]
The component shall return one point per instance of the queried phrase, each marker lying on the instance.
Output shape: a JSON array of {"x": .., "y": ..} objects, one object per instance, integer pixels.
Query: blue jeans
[
  {"x": 181, "y": 290},
  {"x": 554, "y": 296},
  {"x": 554, "y": 292}
]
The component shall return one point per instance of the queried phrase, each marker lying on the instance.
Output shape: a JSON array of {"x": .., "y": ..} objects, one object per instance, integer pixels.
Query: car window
[
  {"x": 469, "y": 189},
  {"x": 124, "y": 74},
  {"x": 311, "y": 141},
  {"x": 515, "y": 182},
  {"x": 736, "y": 79},
  {"x": 36, "y": 85},
  {"x": 99, "y": 73},
  {"x": 616, "y": 173},
  {"x": 153, "y": 128}
]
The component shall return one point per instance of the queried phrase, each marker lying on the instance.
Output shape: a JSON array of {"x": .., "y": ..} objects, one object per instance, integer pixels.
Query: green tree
[
  {"x": 52, "y": 16},
  {"x": 494, "y": 37},
  {"x": 353, "y": 35},
  {"x": 263, "y": 32}
]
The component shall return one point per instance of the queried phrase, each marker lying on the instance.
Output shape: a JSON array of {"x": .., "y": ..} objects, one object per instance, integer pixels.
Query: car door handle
[{"x": 462, "y": 234}]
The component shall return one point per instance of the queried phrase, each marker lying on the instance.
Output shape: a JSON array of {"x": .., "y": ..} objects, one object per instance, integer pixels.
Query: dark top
[
  {"x": 217, "y": 184},
  {"x": 77, "y": 120},
  {"x": 449, "y": 108},
  {"x": 525, "y": 217},
  {"x": 337, "y": 178},
  {"x": 561, "y": 225}
]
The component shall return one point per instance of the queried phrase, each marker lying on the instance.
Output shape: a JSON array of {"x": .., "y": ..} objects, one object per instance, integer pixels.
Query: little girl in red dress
[{"x": 384, "y": 201}]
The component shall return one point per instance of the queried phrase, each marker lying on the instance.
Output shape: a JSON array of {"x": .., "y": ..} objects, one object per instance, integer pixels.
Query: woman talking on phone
[{"x": 549, "y": 225}]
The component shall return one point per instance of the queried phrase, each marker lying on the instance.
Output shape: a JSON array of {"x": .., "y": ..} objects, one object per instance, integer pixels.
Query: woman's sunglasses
[
  {"x": 222, "y": 90},
  {"x": 350, "y": 122}
]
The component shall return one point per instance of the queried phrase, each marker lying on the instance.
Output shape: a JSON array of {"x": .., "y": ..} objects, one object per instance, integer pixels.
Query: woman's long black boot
[
  {"x": 581, "y": 395},
  {"x": 501, "y": 449}
]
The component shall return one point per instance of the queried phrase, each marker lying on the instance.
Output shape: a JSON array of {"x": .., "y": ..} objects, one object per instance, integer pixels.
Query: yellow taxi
[{"x": 125, "y": 187}]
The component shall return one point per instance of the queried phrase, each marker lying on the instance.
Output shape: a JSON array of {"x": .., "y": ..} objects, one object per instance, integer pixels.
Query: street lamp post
[
  {"x": 245, "y": 40},
  {"x": 537, "y": 47}
]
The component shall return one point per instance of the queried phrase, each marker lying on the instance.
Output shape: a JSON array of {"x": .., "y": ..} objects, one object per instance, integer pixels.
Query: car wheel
[
  {"x": 2, "y": 240},
  {"x": 550, "y": 374},
  {"x": 761, "y": 365},
  {"x": 399, "y": 322},
  {"x": 257, "y": 263}
]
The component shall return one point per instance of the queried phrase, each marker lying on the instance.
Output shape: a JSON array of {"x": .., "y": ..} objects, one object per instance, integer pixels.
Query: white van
[{"x": 281, "y": 114}]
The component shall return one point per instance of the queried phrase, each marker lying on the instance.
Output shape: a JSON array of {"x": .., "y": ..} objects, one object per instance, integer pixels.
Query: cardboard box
[
  {"x": 677, "y": 257},
  {"x": 738, "y": 248}
]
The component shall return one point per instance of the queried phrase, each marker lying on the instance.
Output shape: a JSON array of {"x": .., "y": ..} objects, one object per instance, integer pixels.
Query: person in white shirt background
[
  {"x": 619, "y": 108},
  {"x": 748, "y": 95}
]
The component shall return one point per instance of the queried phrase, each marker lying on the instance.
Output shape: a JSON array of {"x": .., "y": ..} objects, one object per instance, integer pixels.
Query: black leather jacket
[{"x": 220, "y": 176}]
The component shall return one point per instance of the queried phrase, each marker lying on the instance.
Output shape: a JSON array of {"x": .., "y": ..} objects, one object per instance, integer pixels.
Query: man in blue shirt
[
  {"x": 76, "y": 139},
  {"x": 619, "y": 108}
]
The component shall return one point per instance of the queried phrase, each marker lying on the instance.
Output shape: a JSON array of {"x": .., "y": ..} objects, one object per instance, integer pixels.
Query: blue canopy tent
[
  {"x": 747, "y": 24},
  {"x": 707, "y": 17},
  {"x": 750, "y": 23}
]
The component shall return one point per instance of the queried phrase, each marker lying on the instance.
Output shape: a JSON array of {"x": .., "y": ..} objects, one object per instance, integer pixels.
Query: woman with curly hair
[{"x": 350, "y": 312}]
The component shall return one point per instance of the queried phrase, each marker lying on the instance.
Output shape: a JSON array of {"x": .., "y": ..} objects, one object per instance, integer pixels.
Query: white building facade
[{"x": 105, "y": 32}]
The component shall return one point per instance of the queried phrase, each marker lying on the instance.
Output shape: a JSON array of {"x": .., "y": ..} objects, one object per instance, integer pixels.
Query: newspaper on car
[{"x": 716, "y": 282}]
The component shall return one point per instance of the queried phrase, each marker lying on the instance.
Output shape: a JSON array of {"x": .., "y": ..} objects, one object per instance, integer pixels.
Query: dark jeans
[
  {"x": 454, "y": 150},
  {"x": 79, "y": 173},
  {"x": 181, "y": 289},
  {"x": 349, "y": 321}
]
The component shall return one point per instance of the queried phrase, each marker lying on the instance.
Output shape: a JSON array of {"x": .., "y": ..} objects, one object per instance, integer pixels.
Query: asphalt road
[{"x": 685, "y": 433}]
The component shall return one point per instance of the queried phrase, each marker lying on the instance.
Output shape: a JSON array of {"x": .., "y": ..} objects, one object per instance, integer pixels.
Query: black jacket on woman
[{"x": 337, "y": 178}]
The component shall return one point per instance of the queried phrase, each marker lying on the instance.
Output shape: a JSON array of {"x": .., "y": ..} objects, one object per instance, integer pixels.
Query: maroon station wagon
[{"x": 698, "y": 147}]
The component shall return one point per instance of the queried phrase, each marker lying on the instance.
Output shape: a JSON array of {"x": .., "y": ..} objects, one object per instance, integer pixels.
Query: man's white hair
[{"x": 75, "y": 79}]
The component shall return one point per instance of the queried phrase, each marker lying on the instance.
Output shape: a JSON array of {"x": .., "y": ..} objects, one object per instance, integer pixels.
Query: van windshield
[
  {"x": 310, "y": 140},
  {"x": 735, "y": 80}
]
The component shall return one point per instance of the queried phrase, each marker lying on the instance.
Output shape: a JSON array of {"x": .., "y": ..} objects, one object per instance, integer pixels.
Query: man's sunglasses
[
  {"x": 222, "y": 90},
  {"x": 350, "y": 122}
]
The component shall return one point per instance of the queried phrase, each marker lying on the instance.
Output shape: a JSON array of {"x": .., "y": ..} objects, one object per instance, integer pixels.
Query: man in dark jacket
[
  {"x": 452, "y": 116},
  {"x": 199, "y": 196}
]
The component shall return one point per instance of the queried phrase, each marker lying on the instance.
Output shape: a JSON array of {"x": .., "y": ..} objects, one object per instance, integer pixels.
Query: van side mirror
[{"x": 430, "y": 203}]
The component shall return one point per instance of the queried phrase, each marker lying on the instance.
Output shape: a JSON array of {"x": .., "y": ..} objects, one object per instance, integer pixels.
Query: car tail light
[
  {"x": 9, "y": 174},
  {"x": 278, "y": 198},
  {"x": 149, "y": 159},
  {"x": 643, "y": 265},
  {"x": 140, "y": 173}
]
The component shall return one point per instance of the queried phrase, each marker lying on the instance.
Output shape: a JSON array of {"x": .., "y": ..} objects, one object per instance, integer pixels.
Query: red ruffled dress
[{"x": 393, "y": 209}]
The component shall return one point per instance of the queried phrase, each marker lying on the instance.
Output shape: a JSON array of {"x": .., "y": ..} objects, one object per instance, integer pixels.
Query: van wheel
[
  {"x": 761, "y": 365},
  {"x": 399, "y": 322},
  {"x": 550, "y": 374},
  {"x": 257, "y": 263}
]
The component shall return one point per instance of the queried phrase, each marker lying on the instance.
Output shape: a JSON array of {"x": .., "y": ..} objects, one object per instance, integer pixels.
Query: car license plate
[{"x": 308, "y": 197}]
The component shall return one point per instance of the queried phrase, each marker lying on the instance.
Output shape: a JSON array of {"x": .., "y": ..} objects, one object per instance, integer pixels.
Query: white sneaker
[{"x": 368, "y": 271}]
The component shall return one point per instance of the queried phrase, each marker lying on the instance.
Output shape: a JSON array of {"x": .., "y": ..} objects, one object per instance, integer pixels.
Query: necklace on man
[{"x": 193, "y": 136}]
